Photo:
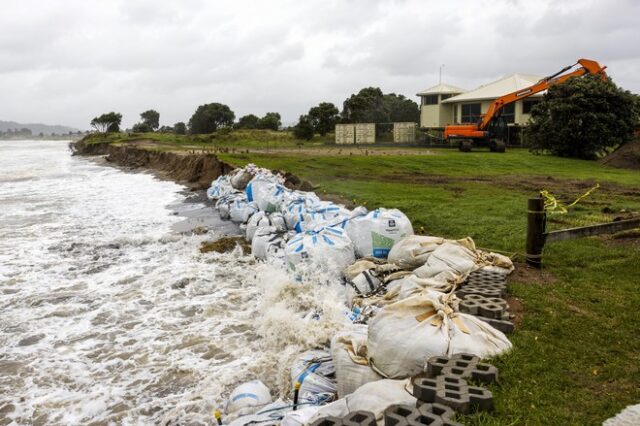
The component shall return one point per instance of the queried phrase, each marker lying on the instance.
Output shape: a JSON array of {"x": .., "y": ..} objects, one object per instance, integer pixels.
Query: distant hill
[{"x": 37, "y": 128}]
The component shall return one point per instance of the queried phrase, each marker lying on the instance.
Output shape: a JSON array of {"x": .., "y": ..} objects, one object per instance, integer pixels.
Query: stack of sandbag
[
  {"x": 327, "y": 249},
  {"x": 321, "y": 214},
  {"x": 267, "y": 192},
  {"x": 219, "y": 188},
  {"x": 262, "y": 219},
  {"x": 405, "y": 334},
  {"x": 315, "y": 372},
  {"x": 247, "y": 398},
  {"x": 374, "y": 397},
  {"x": 349, "y": 353},
  {"x": 375, "y": 233}
]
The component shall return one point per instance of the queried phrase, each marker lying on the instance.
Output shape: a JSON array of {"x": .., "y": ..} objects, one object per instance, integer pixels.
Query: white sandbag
[
  {"x": 349, "y": 353},
  {"x": 268, "y": 243},
  {"x": 315, "y": 371},
  {"x": 269, "y": 415},
  {"x": 241, "y": 210},
  {"x": 365, "y": 282},
  {"x": 374, "y": 397},
  {"x": 224, "y": 203},
  {"x": 410, "y": 285},
  {"x": 449, "y": 260},
  {"x": 405, "y": 334},
  {"x": 239, "y": 178},
  {"x": 376, "y": 232},
  {"x": 219, "y": 188},
  {"x": 262, "y": 219},
  {"x": 266, "y": 192},
  {"x": 413, "y": 251},
  {"x": 328, "y": 249},
  {"x": 630, "y": 416},
  {"x": 300, "y": 417},
  {"x": 248, "y": 398}
]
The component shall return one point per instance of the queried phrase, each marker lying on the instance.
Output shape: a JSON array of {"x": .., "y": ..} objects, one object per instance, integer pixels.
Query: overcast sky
[{"x": 65, "y": 61}]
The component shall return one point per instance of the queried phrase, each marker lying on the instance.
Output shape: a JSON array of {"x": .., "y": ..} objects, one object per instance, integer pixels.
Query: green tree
[
  {"x": 151, "y": 118},
  {"x": 304, "y": 128},
  {"x": 249, "y": 121},
  {"x": 367, "y": 106},
  {"x": 401, "y": 109},
  {"x": 583, "y": 118},
  {"x": 209, "y": 117},
  {"x": 324, "y": 117},
  {"x": 108, "y": 122},
  {"x": 141, "y": 128},
  {"x": 180, "y": 128},
  {"x": 271, "y": 120}
]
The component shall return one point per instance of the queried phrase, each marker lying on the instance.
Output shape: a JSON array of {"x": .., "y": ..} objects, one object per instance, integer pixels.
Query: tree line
[{"x": 369, "y": 105}]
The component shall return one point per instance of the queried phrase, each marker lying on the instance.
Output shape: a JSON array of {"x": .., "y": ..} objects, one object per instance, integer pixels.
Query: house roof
[
  {"x": 439, "y": 89},
  {"x": 497, "y": 88}
]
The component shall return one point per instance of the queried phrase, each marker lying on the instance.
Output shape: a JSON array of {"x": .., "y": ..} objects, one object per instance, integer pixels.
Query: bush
[
  {"x": 304, "y": 128},
  {"x": 583, "y": 118}
]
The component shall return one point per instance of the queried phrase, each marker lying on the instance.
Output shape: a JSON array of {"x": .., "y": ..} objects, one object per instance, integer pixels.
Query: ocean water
[{"x": 109, "y": 314}]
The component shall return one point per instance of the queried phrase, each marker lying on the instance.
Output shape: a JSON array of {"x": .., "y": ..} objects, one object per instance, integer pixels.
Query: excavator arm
[{"x": 587, "y": 66}]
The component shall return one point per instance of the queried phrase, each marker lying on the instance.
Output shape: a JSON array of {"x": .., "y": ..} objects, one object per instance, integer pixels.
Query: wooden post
[{"x": 535, "y": 232}]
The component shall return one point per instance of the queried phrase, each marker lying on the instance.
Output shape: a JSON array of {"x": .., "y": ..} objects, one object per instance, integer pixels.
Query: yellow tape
[{"x": 552, "y": 205}]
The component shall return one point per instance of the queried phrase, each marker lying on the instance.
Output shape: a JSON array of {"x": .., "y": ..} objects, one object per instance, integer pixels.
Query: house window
[
  {"x": 528, "y": 105},
  {"x": 470, "y": 113},
  {"x": 430, "y": 100},
  {"x": 447, "y": 96},
  {"x": 509, "y": 113}
]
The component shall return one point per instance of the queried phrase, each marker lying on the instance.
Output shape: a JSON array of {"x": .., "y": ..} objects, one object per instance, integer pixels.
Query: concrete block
[
  {"x": 425, "y": 419},
  {"x": 398, "y": 414},
  {"x": 446, "y": 413},
  {"x": 359, "y": 418},
  {"x": 453, "y": 392},
  {"x": 328, "y": 421},
  {"x": 463, "y": 366},
  {"x": 506, "y": 326}
]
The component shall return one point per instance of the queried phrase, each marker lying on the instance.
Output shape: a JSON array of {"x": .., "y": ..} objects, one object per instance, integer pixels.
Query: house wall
[{"x": 520, "y": 118}]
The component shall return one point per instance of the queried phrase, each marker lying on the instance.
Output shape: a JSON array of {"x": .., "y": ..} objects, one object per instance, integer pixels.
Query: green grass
[
  {"x": 576, "y": 353},
  {"x": 577, "y": 350}
]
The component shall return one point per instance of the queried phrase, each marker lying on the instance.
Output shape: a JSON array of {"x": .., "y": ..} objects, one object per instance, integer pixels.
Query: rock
[{"x": 225, "y": 245}]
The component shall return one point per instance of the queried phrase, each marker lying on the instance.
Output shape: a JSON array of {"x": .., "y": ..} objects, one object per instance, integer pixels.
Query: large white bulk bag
[
  {"x": 268, "y": 243},
  {"x": 413, "y": 251},
  {"x": 266, "y": 192},
  {"x": 328, "y": 249},
  {"x": 315, "y": 371},
  {"x": 219, "y": 188},
  {"x": 262, "y": 219},
  {"x": 224, "y": 203},
  {"x": 241, "y": 210},
  {"x": 374, "y": 397},
  {"x": 349, "y": 353},
  {"x": 248, "y": 398},
  {"x": 405, "y": 334},
  {"x": 376, "y": 232}
]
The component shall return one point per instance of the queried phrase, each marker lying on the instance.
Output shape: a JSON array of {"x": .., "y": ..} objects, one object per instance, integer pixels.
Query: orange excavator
[{"x": 492, "y": 128}]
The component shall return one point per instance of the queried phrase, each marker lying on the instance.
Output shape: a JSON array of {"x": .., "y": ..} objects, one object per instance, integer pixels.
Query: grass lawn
[
  {"x": 576, "y": 357},
  {"x": 577, "y": 349}
]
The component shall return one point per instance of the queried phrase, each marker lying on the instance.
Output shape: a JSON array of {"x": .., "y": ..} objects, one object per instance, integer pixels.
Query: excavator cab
[{"x": 497, "y": 134}]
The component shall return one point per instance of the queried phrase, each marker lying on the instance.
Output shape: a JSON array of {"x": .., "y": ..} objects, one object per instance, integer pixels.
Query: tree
[
  {"x": 304, "y": 128},
  {"x": 271, "y": 120},
  {"x": 141, "y": 128},
  {"x": 180, "y": 128},
  {"x": 583, "y": 118},
  {"x": 151, "y": 118},
  {"x": 209, "y": 117},
  {"x": 324, "y": 117},
  {"x": 401, "y": 109},
  {"x": 249, "y": 121},
  {"x": 166, "y": 129},
  {"x": 109, "y": 122},
  {"x": 365, "y": 107}
]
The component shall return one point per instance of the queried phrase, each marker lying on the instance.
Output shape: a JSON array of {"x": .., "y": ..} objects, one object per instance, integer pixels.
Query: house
[{"x": 444, "y": 104}]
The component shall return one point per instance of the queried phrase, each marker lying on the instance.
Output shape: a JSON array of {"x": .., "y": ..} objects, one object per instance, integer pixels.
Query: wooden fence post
[{"x": 535, "y": 232}]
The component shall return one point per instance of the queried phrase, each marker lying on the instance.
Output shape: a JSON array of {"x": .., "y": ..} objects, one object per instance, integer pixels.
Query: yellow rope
[{"x": 553, "y": 206}]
